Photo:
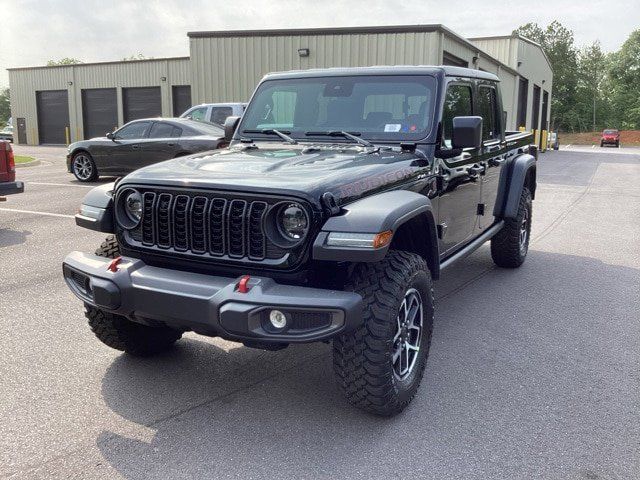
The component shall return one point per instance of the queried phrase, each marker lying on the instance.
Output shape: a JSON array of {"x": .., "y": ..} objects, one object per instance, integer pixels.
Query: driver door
[
  {"x": 459, "y": 170},
  {"x": 126, "y": 151}
]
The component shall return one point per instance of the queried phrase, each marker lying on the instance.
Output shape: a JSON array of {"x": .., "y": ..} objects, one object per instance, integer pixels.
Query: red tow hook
[
  {"x": 113, "y": 264},
  {"x": 243, "y": 284}
]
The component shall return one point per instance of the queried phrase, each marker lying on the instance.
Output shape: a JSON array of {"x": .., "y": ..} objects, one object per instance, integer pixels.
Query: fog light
[{"x": 278, "y": 319}]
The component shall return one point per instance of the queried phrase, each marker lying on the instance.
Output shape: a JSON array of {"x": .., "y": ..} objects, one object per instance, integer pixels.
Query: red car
[
  {"x": 610, "y": 137},
  {"x": 8, "y": 184}
]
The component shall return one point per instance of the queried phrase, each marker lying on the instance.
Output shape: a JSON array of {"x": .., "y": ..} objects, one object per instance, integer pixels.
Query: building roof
[
  {"x": 320, "y": 31},
  {"x": 110, "y": 62}
]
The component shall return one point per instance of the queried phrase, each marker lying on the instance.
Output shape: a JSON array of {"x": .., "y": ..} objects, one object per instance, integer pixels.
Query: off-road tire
[
  {"x": 506, "y": 248},
  {"x": 122, "y": 334},
  {"x": 362, "y": 359},
  {"x": 109, "y": 248},
  {"x": 136, "y": 339}
]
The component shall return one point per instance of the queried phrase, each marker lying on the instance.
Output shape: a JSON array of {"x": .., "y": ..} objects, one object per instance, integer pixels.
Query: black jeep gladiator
[{"x": 343, "y": 195}]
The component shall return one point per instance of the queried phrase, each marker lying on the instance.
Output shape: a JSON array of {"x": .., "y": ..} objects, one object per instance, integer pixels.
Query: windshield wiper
[
  {"x": 339, "y": 133},
  {"x": 272, "y": 131}
]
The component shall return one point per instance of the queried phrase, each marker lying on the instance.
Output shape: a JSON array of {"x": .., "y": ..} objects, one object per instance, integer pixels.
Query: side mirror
[
  {"x": 467, "y": 132},
  {"x": 110, "y": 136},
  {"x": 230, "y": 125}
]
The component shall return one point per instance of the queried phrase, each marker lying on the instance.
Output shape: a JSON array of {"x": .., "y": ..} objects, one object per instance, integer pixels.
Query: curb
[{"x": 33, "y": 163}]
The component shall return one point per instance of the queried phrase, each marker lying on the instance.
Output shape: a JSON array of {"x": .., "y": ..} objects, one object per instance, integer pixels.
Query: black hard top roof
[{"x": 385, "y": 70}]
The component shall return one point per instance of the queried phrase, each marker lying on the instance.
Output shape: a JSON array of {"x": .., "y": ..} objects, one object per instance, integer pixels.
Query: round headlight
[
  {"x": 133, "y": 206},
  {"x": 293, "y": 222}
]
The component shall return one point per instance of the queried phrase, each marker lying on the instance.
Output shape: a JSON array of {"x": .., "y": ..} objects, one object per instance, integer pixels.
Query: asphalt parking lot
[{"x": 533, "y": 373}]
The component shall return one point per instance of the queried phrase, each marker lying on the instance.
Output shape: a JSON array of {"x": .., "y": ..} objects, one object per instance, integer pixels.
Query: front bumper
[
  {"x": 9, "y": 188},
  {"x": 211, "y": 305}
]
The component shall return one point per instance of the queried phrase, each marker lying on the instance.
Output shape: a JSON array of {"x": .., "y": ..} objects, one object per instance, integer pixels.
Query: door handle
[
  {"x": 135, "y": 147},
  {"x": 171, "y": 144}
]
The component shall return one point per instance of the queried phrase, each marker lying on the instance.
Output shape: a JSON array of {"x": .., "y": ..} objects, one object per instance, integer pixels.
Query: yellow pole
[
  {"x": 544, "y": 140},
  {"x": 66, "y": 135}
]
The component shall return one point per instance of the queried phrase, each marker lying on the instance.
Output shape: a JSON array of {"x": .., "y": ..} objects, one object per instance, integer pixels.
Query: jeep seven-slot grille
[{"x": 205, "y": 225}]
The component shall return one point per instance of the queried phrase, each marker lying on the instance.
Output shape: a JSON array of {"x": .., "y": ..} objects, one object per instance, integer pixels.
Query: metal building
[
  {"x": 62, "y": 104},
  {"x": 535, "y": 78},
  {"x": 225, "y": 66}
]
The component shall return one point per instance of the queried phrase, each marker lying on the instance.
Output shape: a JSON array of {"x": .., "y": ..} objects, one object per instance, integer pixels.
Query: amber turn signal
[{"x": 382, "y": 239}]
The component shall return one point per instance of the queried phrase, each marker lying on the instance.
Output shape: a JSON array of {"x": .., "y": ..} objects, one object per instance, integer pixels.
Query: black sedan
[{"x": 140, "y": 143}]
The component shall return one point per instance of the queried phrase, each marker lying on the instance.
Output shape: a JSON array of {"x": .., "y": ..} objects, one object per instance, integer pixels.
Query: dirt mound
[{"x": 627, "y": 137}]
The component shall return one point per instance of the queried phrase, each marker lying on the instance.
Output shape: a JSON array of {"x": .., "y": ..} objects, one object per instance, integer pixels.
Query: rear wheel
[
  {"x": 380, "y": 365},
  {"x": 120, "y": 333},
  {"x": 510, "y": 245},
  {"x": 83, "y": 167}
]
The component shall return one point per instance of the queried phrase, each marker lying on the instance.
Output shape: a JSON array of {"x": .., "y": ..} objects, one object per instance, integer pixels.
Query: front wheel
[
  {"x": 136, "y": 339},
  {"x": 380, "y": 365},
  {"x": 83, "y": 167}
]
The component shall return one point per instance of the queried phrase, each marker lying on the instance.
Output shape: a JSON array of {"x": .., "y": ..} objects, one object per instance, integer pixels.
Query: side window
[
  {"x": 457, "y": 103},
  {"x": 488, "y": 110},
  {"x": 220, "y": 114},
  {"x": 176, "y": 132},
  {"x": 161, "y": 130},
  {"x": 199, "y": 114},
  {"x": 133, "y": 131}
]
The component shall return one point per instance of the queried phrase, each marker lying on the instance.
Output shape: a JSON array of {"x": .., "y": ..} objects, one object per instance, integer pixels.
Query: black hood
[{"x": 299, "y": 170}]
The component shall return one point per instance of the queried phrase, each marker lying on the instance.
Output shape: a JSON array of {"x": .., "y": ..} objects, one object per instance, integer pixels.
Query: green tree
[
  {"x": 63, "y": 61},
  {"x": 592, "y": 70},
  {"x": 558, "y": 43},
  {"x": 136, "y": 57},
  {"x": 624, "y": 80},
  {"x": 5, "y": 106}
]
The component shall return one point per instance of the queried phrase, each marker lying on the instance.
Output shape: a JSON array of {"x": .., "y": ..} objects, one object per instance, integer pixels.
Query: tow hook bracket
[
  {"x": 243, "y": 284},
  {"x": 113, "y": 264}
]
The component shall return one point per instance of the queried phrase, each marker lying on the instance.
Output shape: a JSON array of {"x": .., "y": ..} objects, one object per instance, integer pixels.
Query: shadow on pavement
[
  {"x": 12, "y": 237},
  {"x": 529, "y": 372}
]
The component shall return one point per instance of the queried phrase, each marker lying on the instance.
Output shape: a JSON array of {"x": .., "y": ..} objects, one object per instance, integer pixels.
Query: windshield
[
  {"x": 610, "y": 132},
  {"x": 387, "y": 108}
]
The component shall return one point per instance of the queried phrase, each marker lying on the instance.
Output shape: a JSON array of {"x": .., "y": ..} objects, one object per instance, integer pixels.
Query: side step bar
[{"x": 470, "y": 248}]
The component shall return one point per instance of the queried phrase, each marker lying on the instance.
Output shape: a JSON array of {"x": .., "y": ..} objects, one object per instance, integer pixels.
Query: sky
[{"x": 34, "y": 32}]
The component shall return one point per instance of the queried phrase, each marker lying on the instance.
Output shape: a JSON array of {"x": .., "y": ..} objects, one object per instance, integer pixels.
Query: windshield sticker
[{"x": 392, "y": 127}]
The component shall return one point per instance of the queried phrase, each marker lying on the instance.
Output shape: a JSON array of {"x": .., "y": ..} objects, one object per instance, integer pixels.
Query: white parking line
[
  {"x": 60, "y": 184},
  {"x": 47, "y": 214}
]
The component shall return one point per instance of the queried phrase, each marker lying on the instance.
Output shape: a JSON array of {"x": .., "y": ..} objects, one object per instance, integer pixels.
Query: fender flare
[
  {"x": 512, "y": 179},
  {"x": 375, "y": 214},
  {"x": 96, "y": 212}
]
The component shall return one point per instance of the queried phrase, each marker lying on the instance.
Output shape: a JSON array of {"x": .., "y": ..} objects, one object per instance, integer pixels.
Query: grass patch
[{"x": 23, "y": 159}]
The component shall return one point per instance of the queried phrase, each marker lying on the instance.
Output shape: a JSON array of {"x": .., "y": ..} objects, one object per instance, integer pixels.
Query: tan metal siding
[
  {"x": 530, "y": 62},
  {"x": 499, "y": 48},
  {"x": 74, "y": 78},
  {"x": 227, "y": 69}
]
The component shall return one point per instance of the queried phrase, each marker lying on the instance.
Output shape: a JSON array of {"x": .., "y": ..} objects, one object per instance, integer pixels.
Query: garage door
[
  {"x": 53, "y": 116},
  {"x": 181, "y": 99},
  {"x": 141, "y": 102},
  {"x": 99, "y": 111}
]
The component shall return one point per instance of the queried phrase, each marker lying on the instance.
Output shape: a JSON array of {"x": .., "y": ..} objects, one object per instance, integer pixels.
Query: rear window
[
  {"x": 220, "y": 114},
  {"x": 164, "y": 130}
]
